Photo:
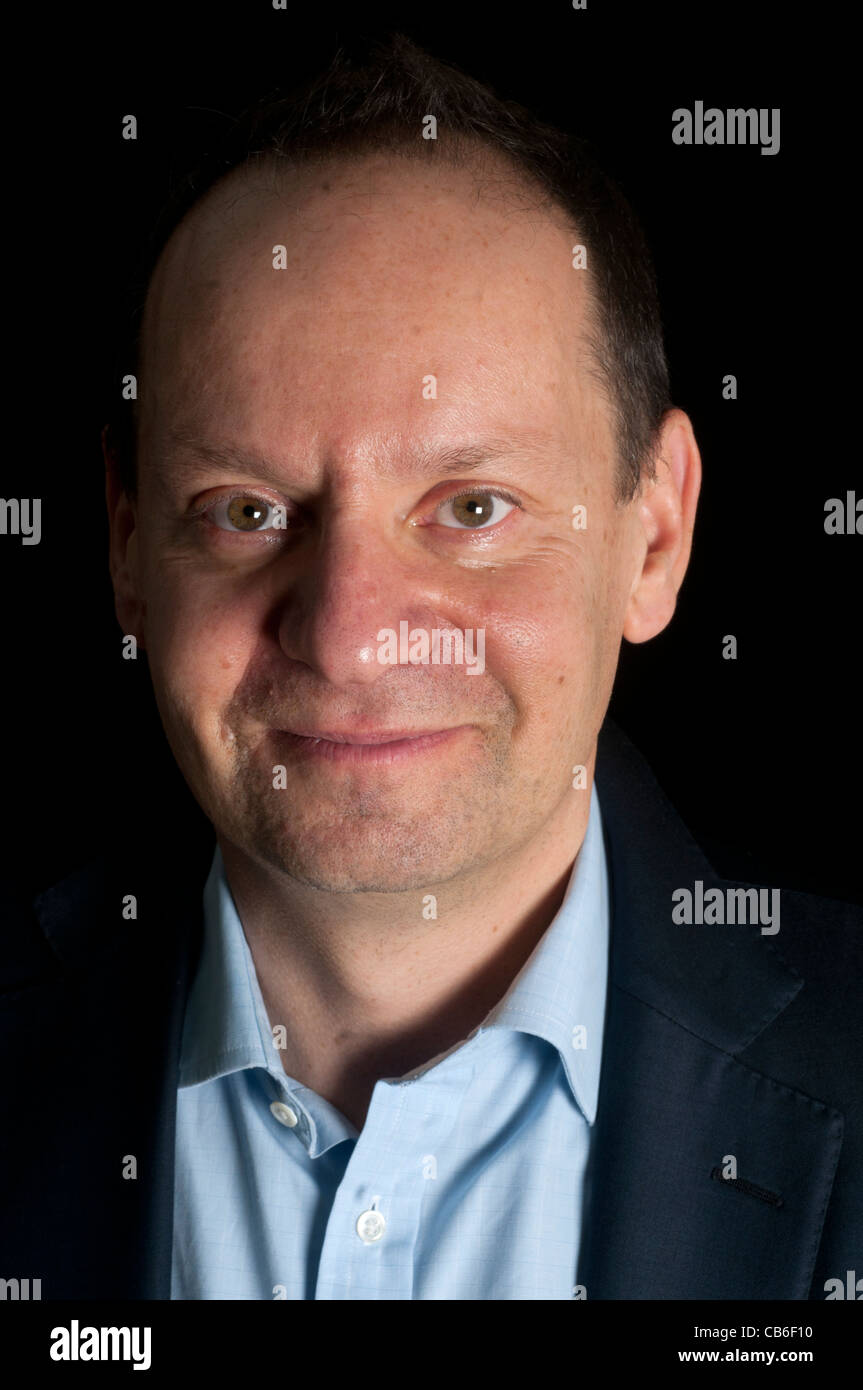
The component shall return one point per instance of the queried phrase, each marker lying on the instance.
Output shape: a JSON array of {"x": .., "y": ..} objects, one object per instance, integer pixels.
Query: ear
[
  {"x": 666, "y": 516},
  {"x": 123, "y": 555}
]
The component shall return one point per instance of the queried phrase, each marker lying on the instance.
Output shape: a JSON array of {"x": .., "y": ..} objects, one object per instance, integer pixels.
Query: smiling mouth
[{"x": 379, "y": 746}]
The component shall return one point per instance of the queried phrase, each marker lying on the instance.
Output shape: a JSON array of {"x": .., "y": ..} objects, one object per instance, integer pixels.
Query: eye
[
  {"x": 245, "y": 512},
  {"x": 475, "y": 509}
]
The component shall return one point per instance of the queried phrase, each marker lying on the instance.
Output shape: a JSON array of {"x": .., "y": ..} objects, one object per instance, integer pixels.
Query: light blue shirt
[{"x": 465, "y": 1182}]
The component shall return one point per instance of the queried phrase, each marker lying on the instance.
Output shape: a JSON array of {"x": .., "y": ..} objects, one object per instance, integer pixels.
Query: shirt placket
[{"x": 376, "y": 1221}]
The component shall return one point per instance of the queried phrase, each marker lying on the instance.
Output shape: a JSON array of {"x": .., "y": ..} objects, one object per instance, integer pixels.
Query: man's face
[{"x": 422, "y": 342}]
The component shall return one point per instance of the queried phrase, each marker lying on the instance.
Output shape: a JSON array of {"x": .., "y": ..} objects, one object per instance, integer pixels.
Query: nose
[{"x": 354, "y": 584}]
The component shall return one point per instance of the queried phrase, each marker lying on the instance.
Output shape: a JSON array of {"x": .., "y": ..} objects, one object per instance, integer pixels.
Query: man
[{"x": 426, "y": 1021}]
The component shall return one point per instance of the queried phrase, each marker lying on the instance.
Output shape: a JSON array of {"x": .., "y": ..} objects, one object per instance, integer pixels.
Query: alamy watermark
[
  {"x": 448, "y": 646},
  {"x": 76, "y": 1343},
  {"x": 20, "y": 1290},
  {"x": 731, "y": 906},
  {"x": 753, "y": 126},
  {"x": 21, "y": 517}
]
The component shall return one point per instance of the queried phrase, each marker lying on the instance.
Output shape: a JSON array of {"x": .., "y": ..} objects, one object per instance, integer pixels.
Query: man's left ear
[{"x": 666, "y": 512}]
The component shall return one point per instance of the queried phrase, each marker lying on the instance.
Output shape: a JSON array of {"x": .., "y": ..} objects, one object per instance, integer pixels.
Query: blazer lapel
[{"x": 677, "y": 1105}]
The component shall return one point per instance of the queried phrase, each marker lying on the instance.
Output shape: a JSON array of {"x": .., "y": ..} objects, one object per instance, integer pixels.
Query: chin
[
  {"x": 354, "y": 858},
  {"x": 368, "y": 876}
]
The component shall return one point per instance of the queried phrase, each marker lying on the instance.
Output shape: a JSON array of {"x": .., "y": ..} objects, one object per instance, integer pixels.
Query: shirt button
[
  {"x": 284, "y": 1114},
  {"x": 370, "y": 1226}
]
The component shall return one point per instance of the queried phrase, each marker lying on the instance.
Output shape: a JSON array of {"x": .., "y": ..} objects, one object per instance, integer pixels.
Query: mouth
[{"x": 368, "y": 746}]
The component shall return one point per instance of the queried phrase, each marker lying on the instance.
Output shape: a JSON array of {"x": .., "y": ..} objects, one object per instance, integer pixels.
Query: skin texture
[{"x": 303, "y": 387}]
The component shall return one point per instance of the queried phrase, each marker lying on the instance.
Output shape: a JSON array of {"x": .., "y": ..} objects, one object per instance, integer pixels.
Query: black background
[{"x": 754, "y": 257}]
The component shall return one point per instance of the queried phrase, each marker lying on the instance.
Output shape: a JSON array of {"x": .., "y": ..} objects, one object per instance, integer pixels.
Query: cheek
[
  {"x": 540, "y": 637},
  {"x": 553, "y": 636},
  {"x": 199, "y": 645}
]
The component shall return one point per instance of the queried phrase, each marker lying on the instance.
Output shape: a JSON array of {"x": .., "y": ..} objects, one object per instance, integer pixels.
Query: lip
[
  {"x": 364, "y": 736},
  {"x": 367, "y": 746}
]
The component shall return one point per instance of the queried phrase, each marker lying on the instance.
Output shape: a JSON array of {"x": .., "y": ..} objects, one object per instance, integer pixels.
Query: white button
[
  {"x": 370, "y": 1226},
  {"x": 284, "y": 1114}
]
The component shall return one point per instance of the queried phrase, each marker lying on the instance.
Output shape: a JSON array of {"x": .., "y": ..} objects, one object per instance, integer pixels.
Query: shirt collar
[
  {"x": 226, "y": 1027},
  {"x": 559, "y": 994}
]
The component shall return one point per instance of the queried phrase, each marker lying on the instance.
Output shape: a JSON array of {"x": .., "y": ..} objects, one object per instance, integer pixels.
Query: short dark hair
[{"x": 377, "y": 101}]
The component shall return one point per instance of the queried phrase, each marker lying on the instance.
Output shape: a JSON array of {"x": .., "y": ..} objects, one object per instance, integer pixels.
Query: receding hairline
[{"x": 516, "y": 188}]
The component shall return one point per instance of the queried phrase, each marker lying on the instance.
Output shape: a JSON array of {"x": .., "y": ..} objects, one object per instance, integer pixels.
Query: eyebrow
[{"x": 187, "y": 455}]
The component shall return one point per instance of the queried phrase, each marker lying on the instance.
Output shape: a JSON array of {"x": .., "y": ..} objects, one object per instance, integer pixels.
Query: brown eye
[
  {"x": 245, "y": 512},
  {"x": 474, "y": 509}
]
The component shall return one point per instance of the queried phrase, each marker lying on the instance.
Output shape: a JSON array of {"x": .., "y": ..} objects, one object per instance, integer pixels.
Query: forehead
[{"x": 343, "y": 297}]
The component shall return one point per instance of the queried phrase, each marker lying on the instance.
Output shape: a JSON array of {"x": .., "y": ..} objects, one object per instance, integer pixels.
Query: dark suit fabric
[{"x": 719, "y": 1041}]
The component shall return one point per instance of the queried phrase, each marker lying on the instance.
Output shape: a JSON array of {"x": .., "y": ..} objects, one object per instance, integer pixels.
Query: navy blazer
[{"x": 719, "y": 1041}]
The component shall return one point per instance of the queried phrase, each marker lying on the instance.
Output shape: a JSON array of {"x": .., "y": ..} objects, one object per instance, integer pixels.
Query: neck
[{"x": 367, "y": 986}]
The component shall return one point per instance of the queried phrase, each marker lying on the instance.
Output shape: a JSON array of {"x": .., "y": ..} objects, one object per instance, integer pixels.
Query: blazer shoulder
[
  {"x": 32, "y": 923},
  {"x": 25, "y": 954},
  {"x": 822, "y": 939},
  {"x": 816, "y": 1043}
]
